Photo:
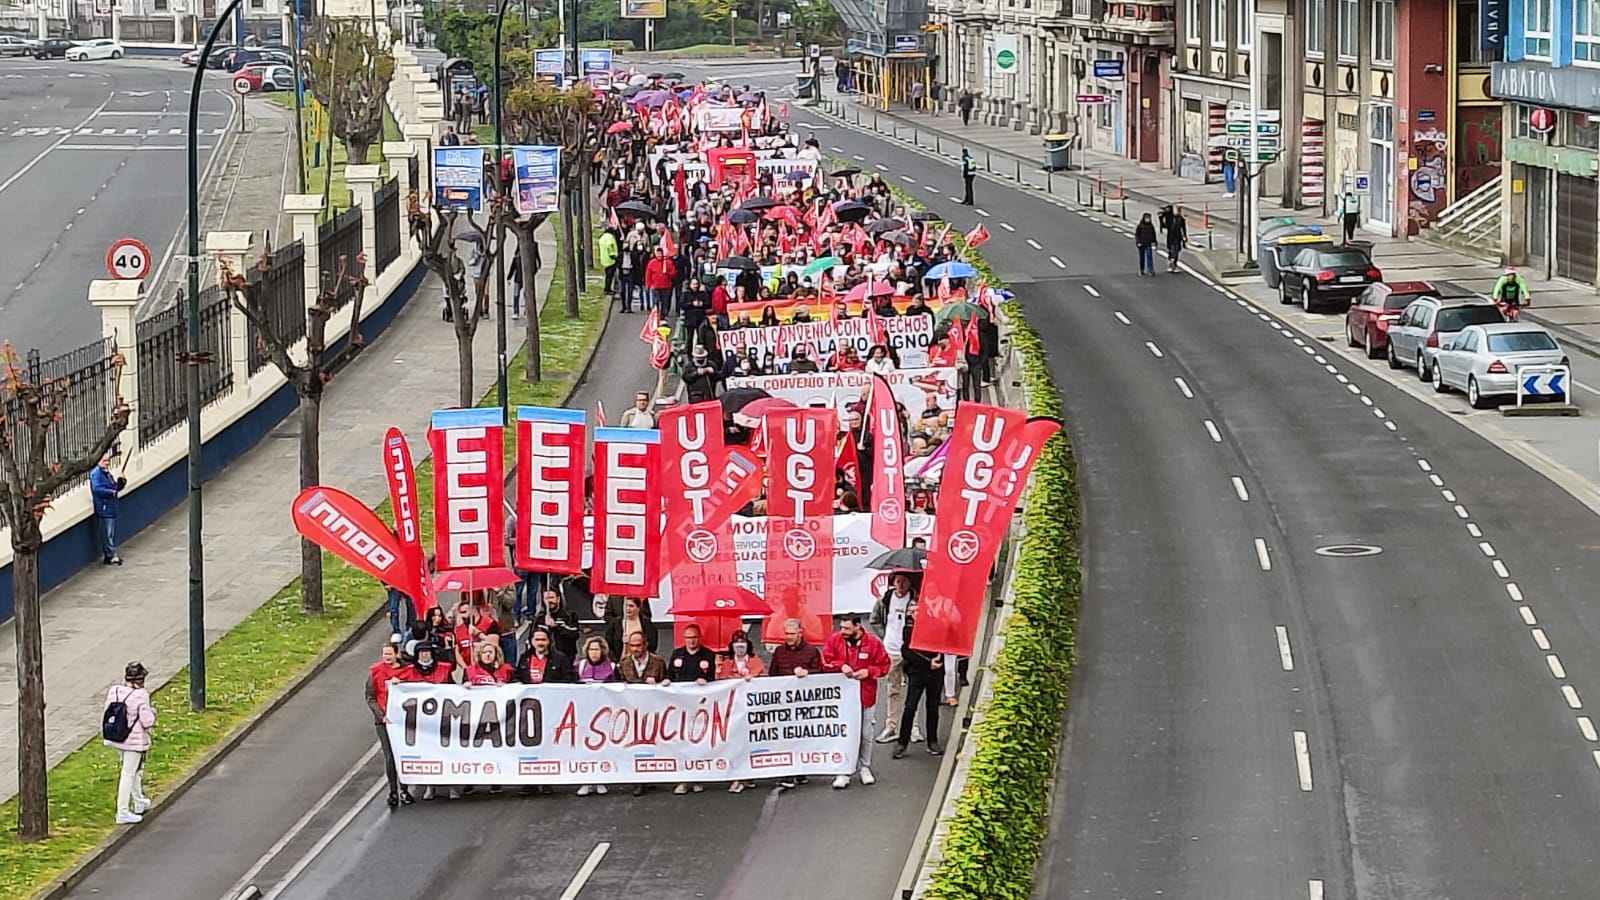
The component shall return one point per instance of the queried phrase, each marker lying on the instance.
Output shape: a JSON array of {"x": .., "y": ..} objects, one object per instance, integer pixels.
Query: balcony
[{"x": 1146, "y": 22}]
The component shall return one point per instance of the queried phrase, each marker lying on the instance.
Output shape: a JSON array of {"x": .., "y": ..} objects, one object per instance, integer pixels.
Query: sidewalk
[
  {"x": 103, "y": 617},
  {"x": 1569, "y": 309}
]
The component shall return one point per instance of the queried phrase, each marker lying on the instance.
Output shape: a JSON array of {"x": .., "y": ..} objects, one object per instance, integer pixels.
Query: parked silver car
[
  {"x": 1430, "y": 323},
  {"x": 1483, "y": 359}
]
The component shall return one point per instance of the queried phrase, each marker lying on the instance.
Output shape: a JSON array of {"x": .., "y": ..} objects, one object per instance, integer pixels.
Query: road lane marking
[
  {"x": 1262, "y": 557},
  {"x": 1378, "y": 411},
  {"x": 1089, "y": 289},
  {"x": 1154, "y": 350},
  {"x": 1449, "y": 496},
  {"x": 1056, "y": 260},
  {"x": 1587, "y": 727},
  {"x": 908, "y": 179},
  {"x": 1540, "y": 638},
  {"x": 880, "y": 167},
  {"x": 586, "y": 870},
  {"x": 1353, "y": 389},
  {"x": 1211, "y": 429},
  {"x": 858, "y": 157},
  {"x": 1285, "y": 655},
  {"x": 981, "y": 211},
  {"x": 1239, "y": 489},
  {"x": 1321, "y": 360},
  {"x": 1571, "y": 693},
  {"x": 1341, "y": 379},
  {"x": 931, "y": 189},
  {"x": 1123, "y": 319},
  {"x": 1331, "y": 369},
  {"x": 1526, "y": 612},
  {"x": 1366, "y": 400},
  {"x": 1461, "y": 511},
  {"x": 1423, "y": 465},
  {"x": 1034, "y": 244},
  {"x": 1474, "y": 530},
  {"x": 322, "y": 843},
  {"x": 1514, "y": 592},
  {"x": 1302, "y": 759},
  {"x": 1183, "y": 386},
  {"x": 1007, "y": 226},
  {"x": 1437, "y": 481},
  {"x": 27, "y": 166},
  {"x": 1556, "y": 668},
  {"x": 1315, "y": 892},
  {"x": 1500, "y": 569},
  {"x": 1487, "y": 548},
  {"x": 837, "y": 149}
]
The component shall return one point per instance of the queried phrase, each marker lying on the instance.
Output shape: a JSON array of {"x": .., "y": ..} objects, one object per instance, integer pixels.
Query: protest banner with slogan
[
  {"x": 848, "y": 391},
  {"x": 627, "y": 512},
  {"x": 800, "y": 486},
  {"x": 458, "y": 178},
  {"x": 558, "y": 734},
  {"x": 784, "y": 308},
  {"x": 538, "y": 174},
  {"x": 549, "y": 502},
  {"x": 468, "y": 488},
  {"x": 720, "y": 118},
  {"x": 343, "y": 526},
  {"x": 779, "y": 166},
  {"x": 402, "y": 478},
  {"x": 992, "y": 451},
  {"x": 909, "y": 336},
  {"x": 888, "y": 497}
]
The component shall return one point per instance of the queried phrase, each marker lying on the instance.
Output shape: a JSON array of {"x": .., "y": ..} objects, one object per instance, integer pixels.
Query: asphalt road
[
  {"x": 1252, "y": 718},
  {"x": 89, "y": 152}
]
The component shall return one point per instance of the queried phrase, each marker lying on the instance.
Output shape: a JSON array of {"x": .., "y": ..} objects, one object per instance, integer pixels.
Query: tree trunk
[
  {"x": 586, "y": 218},
  {"x": 569, "y": 255},
  {"x": 310, "y": 476},
  {"x": 533, "y": 360},
  {"x": 33, "y": 786},
  {"x": 467, "y": 398},
  {"x": 355, "y": 151}
]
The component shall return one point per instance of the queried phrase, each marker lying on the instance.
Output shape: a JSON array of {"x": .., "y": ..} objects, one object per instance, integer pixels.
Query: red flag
[
  {"x": 800, "y": 487},
  {"x": 402, "y": 479},
  {"x": 847, "y": 463},
  {"x": 650, "y": 333},
  {"x": 667, "y": 243},
  {"x": 977, "y": 236},
  {"x": 944, "y": 286},
  {"x": 627, "y": 512},
  {"x": 549, "y": 503},
  {"x": 880, "y": 331},
  {"x": 680, "y": 187},
  {"x": 783, "y": 110},
  {"x": 468, "y": 488},
  {"x": 992, "y": 451},
  {"x": 343, "y": 526},
  {"x": 599, "y": 414},
  {"x": 974, "y": 339},
  {"x": 888, "y": 476}
]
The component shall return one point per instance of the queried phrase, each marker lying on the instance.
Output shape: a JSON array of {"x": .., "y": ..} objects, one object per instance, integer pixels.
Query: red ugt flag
[
  {"x": 800, "y": 487},
  {"x": 977, "y": 236}
]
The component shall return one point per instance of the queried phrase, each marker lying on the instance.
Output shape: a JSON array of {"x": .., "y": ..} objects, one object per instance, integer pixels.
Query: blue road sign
[
  {"x": 1547, "y": 384},
  {"x": 1108, "y": 68}
]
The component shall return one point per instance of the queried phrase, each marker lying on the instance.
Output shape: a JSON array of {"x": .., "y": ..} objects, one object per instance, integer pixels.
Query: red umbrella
[
  {"x": 879, "y": 289},
  {"x": 784, "y": 214},
  {"x": 720, "y": 601},
  {"x": 750, "y": 415},
  {"x": 474, "y": 579},
  {"x": 619, "y": 127}
]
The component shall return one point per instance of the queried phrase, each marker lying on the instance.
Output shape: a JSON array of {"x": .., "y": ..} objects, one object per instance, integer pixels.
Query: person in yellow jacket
[{"x": 606, "y": 252}]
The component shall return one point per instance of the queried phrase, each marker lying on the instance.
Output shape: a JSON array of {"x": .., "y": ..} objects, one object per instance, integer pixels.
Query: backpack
[{"x": 114, "y": 724}]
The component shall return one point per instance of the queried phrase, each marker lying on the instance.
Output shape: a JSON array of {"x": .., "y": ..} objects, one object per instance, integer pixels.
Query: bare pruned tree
[
  {"x": 348, "y": 70},
  {"x": 466, "y": 280}
]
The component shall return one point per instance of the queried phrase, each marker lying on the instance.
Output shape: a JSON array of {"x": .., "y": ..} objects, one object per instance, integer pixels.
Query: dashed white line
[
  {"x": 1366, "y": 400},
  {"x": 1353, "y": 389},
  {"x": 1437, "y": 481},
  {"x": 837, "y": 149},
  {"x": 1302, "y": 759},
  {"x": 1461, "y": 511},
  {"x": 931, "y": 189},
  {"x": 1487, "y": 548},
  {"x": 880, "y": 167},
  {"x": 1540, "y": 638},
  {"x": 1500, "y": 569},
  {"x": 1183, "y": 387},
  {"x": 1341, "y": 379},
  {"x": 1514, "y": 592},
  {"x": 1316, "y": 890},
  {"x": 1299, "y": 343},
  {"x": 1239, "y": 489},
  {"x": 1262, "y": 556},
  {"x": 1378, "y": 411},
  {"x": 1474, "y": 530},
  {"x": 1211, "y": 429},
  {"x": 981, "y": 211},
  {"x": 1007, "y": 226},
  {"x": 1056, "y": 260},
  {"x": 1526, "y": 612},
  {"x": 1285, "y": 655},
  {"x": 1154, "y": 350},
  {"x": 858, "y": 157},
  {"x": 1123, "y": 319},
  {"x": 585, "y": 871},
  {"x": 1034, "y": 244},
  {"x": 1331, "y": 369},
  {"x": 1449, "y": 496},
  {"x": 1571, "y": 693},
  {"x": 1423, "y": 465},
  {"x": 1090, "y": 290},
  {"x": 1556, "y": 668},
  {"x": 1321, "y": 360},
  {"x": 1587, "y": 727},
  {"x": 1390, "y": 426},
  {"x": 908, "y": 179}
]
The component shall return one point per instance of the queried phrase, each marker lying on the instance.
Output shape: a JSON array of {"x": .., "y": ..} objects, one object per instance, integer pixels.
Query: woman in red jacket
[
  {"x": 382, "y": 673},
  {"x": 488, "y": 666}
]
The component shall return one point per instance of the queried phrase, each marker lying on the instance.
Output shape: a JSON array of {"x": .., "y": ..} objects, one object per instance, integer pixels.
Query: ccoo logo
[
  {"x": 963, "y": 546},
  {"x": 700, "y": 546},
  {"x": 799, "y": 545}
]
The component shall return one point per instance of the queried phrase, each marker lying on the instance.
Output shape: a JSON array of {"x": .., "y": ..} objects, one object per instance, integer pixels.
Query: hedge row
[{"x": 1001, "y": 815}]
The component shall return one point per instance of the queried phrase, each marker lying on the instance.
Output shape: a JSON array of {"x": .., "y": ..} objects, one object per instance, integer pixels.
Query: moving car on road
[
  {"x": 51, "y": 48},
  {"x": 1430, "y": 323},
  {"x": 1483, "y": 359},
  {"x": 1326, "y": 276},
  {"x": 265, "y": 77},
  {"x": 99, "y": 48},
  {"x": 11, "y": 45}
]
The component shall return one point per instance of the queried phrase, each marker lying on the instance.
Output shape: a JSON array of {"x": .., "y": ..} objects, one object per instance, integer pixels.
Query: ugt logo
[{"x": 963, "y": 546}]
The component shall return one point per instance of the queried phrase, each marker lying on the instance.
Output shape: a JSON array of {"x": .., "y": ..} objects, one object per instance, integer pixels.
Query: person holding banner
[
  {"x": 924, "y": 678},
  {"x": 856, "y": 653},
  {"x": 386, "y": 671},
  {"x": 693, "y": 663}
]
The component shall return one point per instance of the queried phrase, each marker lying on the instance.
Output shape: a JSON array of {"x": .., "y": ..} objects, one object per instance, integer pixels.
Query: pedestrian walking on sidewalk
[
  {"x": 969, "y": 171},
  {"x": 125, "y": 728},
  {"x": 1177, "y": 232},
  {"x": 386, "y": 671},
  {"x": 105, "y": 489},
  {"x": 918, "y": 92},
  {"x": 1144, "y": 237},
  {"x": 1349, "y": 214},
  {"x": 964, "y": 103}
]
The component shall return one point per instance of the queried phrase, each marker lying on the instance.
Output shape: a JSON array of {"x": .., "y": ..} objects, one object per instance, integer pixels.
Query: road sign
[
  {"x": 906, "y": 43},
  {"x": 1260, "y": 115},
  {"x": 241, "y": 85},
  {"x": 1095, "y": 99},
  {"x": 1261, "y": 128},
  {"x": 1108, "y": 68},
  {"x": 128, "y": 259},
  {"x": 1242, "y": 142},
  {"x": 1262, "y": 156},
  {"x": 1542, "y": 381}
]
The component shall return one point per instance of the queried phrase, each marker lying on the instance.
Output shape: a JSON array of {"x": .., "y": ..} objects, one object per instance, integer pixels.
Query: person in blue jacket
[{"x": 105, "y": 487}]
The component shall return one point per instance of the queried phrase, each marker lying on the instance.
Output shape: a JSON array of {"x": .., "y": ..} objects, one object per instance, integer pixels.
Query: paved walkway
[
  {"x": 1570, "y": 309},
  {"x": 103, "y": 617}
]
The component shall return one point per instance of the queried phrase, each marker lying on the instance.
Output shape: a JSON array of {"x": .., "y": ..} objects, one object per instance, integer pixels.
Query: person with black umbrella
[{"x": 889, "y": 621}]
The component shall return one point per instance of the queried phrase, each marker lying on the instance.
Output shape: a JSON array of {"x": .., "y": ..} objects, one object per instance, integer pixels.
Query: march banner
[
  {"x": 800, "y": 486},
  {"x": 402, "y": 478},
  {"x": 550, "y": 500},
  {"x": 627, "y": 512},
  {"x": 992, "y": 451},
  {"x": 909, "y": 336},
  {"x": 785, "y": 308},
  {"x": 559, "y": 734},
  {"x": 888, "y": 497},
  {"x": 538, "y": 177},
  {"x": 847, "y": 392},
  {"x": 468, "y": 488},
  {"x": 343, "y": 526}
]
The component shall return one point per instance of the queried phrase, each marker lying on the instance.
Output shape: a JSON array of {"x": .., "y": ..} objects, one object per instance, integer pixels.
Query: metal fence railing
[
  {"x": 338, "y": 251},
  {"x": 282, "y": 288},
  {"x": 162, "y": 340},
  {"x": 386, "y": 223},
  {"x": 86, "y": 378}
]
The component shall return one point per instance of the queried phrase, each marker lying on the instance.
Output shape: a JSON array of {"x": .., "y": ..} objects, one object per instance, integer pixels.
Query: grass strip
[
  {"x": 319, "y": 141},
  {"x": 265, "y": 652}
]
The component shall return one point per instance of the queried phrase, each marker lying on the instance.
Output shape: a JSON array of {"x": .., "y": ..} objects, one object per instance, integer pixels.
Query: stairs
[{"x": 1471, "y": 224}]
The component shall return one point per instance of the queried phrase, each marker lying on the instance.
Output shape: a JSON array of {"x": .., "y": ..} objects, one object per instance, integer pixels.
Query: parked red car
[{"x": 1366, "y": 325}]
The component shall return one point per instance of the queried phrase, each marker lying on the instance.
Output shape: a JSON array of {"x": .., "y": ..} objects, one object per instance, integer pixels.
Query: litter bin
[
  {"x": 805, "y": 87},
  {"x": 1057, "y": 152}
]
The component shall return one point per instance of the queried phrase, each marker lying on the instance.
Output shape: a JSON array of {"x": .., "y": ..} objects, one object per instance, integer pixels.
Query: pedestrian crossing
[{"x": 92, "y": 131}]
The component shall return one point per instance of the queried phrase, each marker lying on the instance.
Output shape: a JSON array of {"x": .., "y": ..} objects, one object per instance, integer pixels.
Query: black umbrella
[
  {"x": 734, "y": 399},
  {"x": 906, "y": 559},
  {"x": 851, "y": 211},
  {"x": 653, "y": 76},
  {"x": 898, "y": 236},
  {"x": 757, "y": 204},
  {"x": 925, "y": 215},
  {"x": 845, "y": 172},
  {"x": 878, "y": 226},
  {"x": 631, "y": 90},
  {"x": 674, "y": 76},
  {"x": 742, "y": 217},
  {"x": 749, "y": 97},
  {"x": 635, "y": 208},
  {"x": 743, "y": 263}
]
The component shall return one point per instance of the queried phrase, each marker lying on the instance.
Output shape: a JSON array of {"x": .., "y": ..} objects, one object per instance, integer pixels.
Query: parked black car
[
  {"x": 1322, "y": 276},
  {"x": 51, "y": 48}
]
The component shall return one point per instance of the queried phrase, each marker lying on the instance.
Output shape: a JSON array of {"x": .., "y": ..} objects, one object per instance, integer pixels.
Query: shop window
[
  {"x": 1536, "y": 28},
  {"x": 1191, "y": 22},
  {"x": 1316, "y": 21},
  {"x": 1349, "y": 28},
  {"x": 1383, "y": 31},
  {"x": 1586, "y": 32},
  {"x": 1581, "y": 131}
]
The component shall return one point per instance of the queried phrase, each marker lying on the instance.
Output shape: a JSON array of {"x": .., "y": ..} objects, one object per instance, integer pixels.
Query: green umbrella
[
  {"x": 819, "y": 265},
  {"x": 963, "y": 308}
]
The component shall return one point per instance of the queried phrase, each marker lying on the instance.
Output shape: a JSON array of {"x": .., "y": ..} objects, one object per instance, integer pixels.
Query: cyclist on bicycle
[{"x": 1511, "y": 292}]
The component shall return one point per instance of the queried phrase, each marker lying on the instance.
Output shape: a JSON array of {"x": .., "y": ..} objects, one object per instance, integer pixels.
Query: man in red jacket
[
  {"x": 857, "y": 653},
  {"x": 659, "y": 274}
]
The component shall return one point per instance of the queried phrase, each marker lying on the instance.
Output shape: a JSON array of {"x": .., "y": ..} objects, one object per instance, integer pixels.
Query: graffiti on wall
[
  {"x": 1426, "y": 182},
  {"x": 1478, "y": 147}
]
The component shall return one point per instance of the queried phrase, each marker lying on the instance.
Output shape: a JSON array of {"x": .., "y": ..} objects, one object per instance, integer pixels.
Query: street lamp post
[
  {"x": 500, "y": 224},
  {"x": 191, "y": 385}
]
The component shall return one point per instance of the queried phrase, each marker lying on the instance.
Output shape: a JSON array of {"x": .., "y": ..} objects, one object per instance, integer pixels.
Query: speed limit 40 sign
[{"x": 128, "y": 259}]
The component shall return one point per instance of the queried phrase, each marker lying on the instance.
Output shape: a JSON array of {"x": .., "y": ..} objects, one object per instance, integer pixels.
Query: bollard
[
  {"x": 1049, "y": 182},
  {"x": 987, "y": 167},
  {"x": 1019, "y": 171},
  {"x": 936, "y": 146},
  {"x": 1205, "y": 222},
  {"x": 1100, "y": 188}
]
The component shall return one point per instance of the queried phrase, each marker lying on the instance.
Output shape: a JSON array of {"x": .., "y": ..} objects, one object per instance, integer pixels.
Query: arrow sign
[{"x": 1550, "y": 384}]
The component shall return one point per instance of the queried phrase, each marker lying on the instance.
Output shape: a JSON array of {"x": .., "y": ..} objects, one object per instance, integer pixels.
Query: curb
[{"x": 101, "y": 852}]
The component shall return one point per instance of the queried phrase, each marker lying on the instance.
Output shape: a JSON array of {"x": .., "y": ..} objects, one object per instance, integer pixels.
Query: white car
[
  {"x": 99, "y": 48},
  {"x": 1486, "y": 360}
]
